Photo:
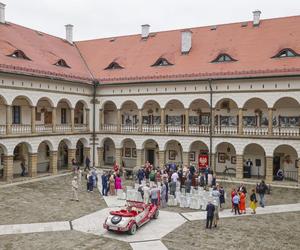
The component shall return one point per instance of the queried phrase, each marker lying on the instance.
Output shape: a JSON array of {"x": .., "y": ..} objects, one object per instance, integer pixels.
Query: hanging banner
[{"x": 202, "y": 161}]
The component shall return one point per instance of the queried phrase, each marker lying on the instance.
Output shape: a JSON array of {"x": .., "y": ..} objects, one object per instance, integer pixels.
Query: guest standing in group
[
  {"x": 262, "y": 189},
  {"x": 112, "y": 185},
  {"x": 87, "y": 164},
  {"x": 140, "y": 175},
  {"x": 222, "y": 196},
  {"x": 216, "y": 215},
  {"x": 23, "y": 168},
  {"x": 233, "y": 193},
  {"x": 75, "y": 189},
  {"x": 154, "y": 194},
  {"x": 118, "y": 182},
  {"x": 242, "y": 202},
  {"x": 210, "y": 208},
  {"x": 104, "y": 178},
  {"x": 235, "y": 202},
  {"x": 253, "y": 202},
  {"x": 163, "y": 195}
]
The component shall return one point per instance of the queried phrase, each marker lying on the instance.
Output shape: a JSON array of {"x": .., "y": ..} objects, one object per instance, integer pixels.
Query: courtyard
[{"x": 47, "y": 200}]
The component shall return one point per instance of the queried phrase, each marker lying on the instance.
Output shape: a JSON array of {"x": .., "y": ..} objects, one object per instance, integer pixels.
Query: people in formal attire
[
  {"x": 262, "y": 189},
  {"x": 163, "y": 195},
  {"x": 75, "y": 189},
  {"x": 222, "y": 196},
  {"x": 235, "y": 202},
  {"x": 242, "y": 202},
  {"x": 253, "y": 202},
  {"x": 112, "y": 185},
  {"x": 118, "y": 182},
  {"x": 87, "y": 164},
  {"x": 104, "y": 178},
  {"x": 210, "y": 208}
]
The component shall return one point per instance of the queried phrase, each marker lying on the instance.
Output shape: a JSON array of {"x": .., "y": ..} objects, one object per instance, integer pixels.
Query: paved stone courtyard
[{"x": 48, "y": 200}]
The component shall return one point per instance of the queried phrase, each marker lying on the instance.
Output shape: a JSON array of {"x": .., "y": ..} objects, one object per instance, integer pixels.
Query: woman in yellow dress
[{"x": 253, "y": 202}]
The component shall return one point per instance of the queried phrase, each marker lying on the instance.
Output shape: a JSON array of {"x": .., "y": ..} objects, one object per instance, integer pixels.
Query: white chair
[
  {"x": 178, "y": 194},
  {"x": 195, "y": 203},
  {"x": 183, "y": 201},
  {"x": 172, "y": 202}
]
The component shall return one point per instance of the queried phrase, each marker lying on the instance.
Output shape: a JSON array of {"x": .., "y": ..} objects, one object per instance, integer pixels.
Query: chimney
[
  {"x": 186, "y": 41},
  {"x": 145, "y": 31},
  {"x": 256, "y": 17},
  {"x": 2, "y": 13},
  {"x": 69, "y": 33}
]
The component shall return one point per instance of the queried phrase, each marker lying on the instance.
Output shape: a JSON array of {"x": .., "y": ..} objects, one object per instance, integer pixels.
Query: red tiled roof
[
  {"x": 252, "y": 47},
  {"x": 44, "y": 50}
]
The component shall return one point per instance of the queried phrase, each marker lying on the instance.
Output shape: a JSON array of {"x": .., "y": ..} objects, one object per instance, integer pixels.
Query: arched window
[
  {"x": 162, "y": 62},
  {"x": 19, "y": 54},
  {"x": 223, "y": 58},
  {"x": 61, "y": 63},
  {"x": 286, "y": 53},
  {"x": 114, "y": 65}
]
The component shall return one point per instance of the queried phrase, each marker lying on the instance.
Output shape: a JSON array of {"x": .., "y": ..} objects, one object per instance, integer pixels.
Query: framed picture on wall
[
  {"x": 233, "y": 159},
  {"x": 172, "y": 155},
  {"x": 127, "y": 152},
  {"x": 221, "y": 158},
  {"x": 133, "y": 152},
  {"x": 192, "y": 156}
]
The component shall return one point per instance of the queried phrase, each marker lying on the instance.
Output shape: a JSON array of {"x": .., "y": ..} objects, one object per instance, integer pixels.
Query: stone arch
[
  {"x": 254, "y": 157},
  {"x": 200, "y": 102},
  {"x": 3, "y": 153},
  {"x": 150, "y": 151},
  {"x": 3, "y": 100},
  {"x": 285, "y": 158},
  {"x": 197, "y": 148},
  {"x": 286, "y": 100},
  {"x": 80, "y": 112},
  {"x": 109, "y": 102},
  {"x": 63, "y": 154},
  {"x": 109, "y": 151},
  {"x": 129, "y": 114},
  {"x": 173, "y": 152},
  {"x": 45, "y": 99},
  {"x": 21, "y": 155},
  {"x": 43, "y": 156},
  {"x": 225, "y": 157},
  {"x": 27, "y": 99},
  {"x": 64, "y": 100},
  {"x": 110, "y": 115},
  {"x": 129, "y": 158},
  {"x": 151, "y": 114}
]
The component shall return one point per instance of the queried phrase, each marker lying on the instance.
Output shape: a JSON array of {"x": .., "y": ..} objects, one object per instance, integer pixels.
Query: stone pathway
[{"x": 147, "y": 237}]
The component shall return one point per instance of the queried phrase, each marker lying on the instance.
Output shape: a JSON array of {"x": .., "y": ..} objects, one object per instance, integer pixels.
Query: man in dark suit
[{"x": 210, "y": 208}]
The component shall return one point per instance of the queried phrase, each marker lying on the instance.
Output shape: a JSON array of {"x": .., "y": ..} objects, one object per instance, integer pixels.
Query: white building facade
[{"x": 150, "y": 102}]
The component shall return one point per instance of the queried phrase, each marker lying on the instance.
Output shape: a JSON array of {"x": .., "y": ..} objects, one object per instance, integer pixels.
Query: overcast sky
[{"x": 105, "y": 18}]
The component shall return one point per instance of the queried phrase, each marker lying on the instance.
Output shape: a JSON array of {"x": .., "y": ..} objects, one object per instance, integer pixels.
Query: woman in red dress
[{"x": 242, "y": 202}]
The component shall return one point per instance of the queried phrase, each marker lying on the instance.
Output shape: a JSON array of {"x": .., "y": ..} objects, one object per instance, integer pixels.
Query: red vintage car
[{"x": 131, "y": 218}]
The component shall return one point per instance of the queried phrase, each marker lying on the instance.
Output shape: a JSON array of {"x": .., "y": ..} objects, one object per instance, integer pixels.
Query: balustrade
[
  {"x": 174, "y": 128},
  {"x": 43, "y": 128},
  {"x": 151, "y": 128},
  {"x": 255, "y": 130},
  {"x": 21, "y": 128},
  {"x": 199, "y": 129},
  {"x": 63, "y": 128},
  {"x": 129, "y": 128},
  {"x": 110, "y": 127},
  {"x": 286, "y": 131},
  {"x": 80, "y": 127},
  {"x": 2, "y": 129},
  {"x": 226, "y": 130}
]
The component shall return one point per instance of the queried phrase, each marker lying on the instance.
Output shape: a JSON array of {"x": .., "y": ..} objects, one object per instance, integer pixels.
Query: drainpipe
[
  {"x": 211, "y": 125},
  {"x": 95, "y": 85}
]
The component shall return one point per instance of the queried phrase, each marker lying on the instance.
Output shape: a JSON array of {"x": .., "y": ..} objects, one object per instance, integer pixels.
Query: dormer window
[
  {"x": 114, "y": 65},
  {"x": 61, "y": 63},
  {"x": 162, "y": 62},
  {"x": 223, "y": 58},
  {"x": 286, "y": 53},
  {"x": 19, "y": 54}
]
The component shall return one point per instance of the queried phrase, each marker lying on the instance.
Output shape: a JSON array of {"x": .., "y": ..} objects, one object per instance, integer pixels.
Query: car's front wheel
[
  {"x": 155, "y": 216},
  {"x": 132, "y": 229}
]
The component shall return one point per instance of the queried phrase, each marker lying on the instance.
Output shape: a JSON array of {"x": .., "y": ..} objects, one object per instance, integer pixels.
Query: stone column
[
  {"x": 213, "y": 163},
  {"x": 240, "y": 129},
  {"x": 162, "y": 120},
  {"x": 100, "y": 156},
  {"x": 161, "y": 158},
  {"x": 119, "y": 156},
  {"x": 87, "y": 119},
  {"x": 239, "y": 167},
  {"x": 53, "y": 162},
  {"x": 140, "y": 120},
  {"x": 269, "y": 169},
  {"x": 187, "y": 121},
  {"x": 33, "y": 130},
  {"x": 72, "y": 120},
  {"x": 185, "y": 159},
  {"x": 71, "y": 155},
  {"x": 32, "y": 165},
  {"x": 119, "y": 120},
  {"x": 8, "y": 171},
  {"x": 212, "y": 120},
  {"x": 100, "y": 119},
  {"x": 298, "y": 165},
  {"x": 270, "y": 126},
  {"x": 8, "y": 119},
  {"x": 54, "y": 122},
  {"x": 139, "y": 157}
]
